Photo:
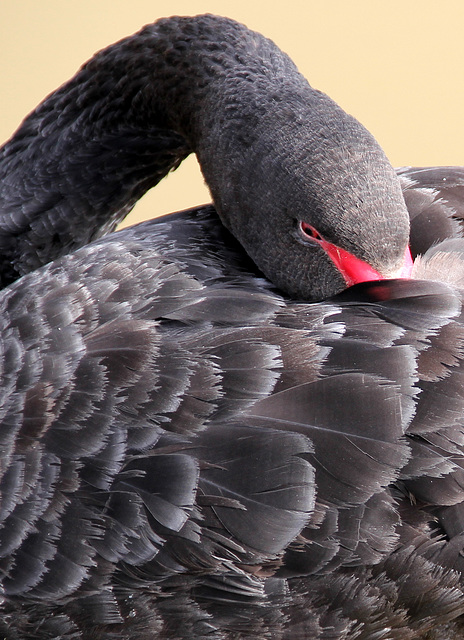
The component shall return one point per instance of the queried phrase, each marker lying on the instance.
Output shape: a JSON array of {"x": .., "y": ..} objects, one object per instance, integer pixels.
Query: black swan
[{"x": 188, "y": 448}]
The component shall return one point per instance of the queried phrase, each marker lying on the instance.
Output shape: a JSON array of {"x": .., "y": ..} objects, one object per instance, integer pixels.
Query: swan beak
[
  {"x": 354, "y": 270},
  {"x": 405, "y": 270}
]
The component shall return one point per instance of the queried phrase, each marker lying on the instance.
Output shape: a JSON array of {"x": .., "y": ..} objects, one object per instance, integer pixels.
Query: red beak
[{"x": 355, "y": 270}]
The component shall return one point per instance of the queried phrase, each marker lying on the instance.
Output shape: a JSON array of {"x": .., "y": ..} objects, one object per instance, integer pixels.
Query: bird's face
[
  {"x": 313, "y": 237},
  {"x": 306, "y": 190}
]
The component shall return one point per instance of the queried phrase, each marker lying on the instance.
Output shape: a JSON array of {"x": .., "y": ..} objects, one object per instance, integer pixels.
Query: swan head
[{"x": 312, "y": 198}]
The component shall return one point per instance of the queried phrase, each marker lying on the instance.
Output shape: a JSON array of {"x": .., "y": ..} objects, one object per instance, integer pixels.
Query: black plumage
[{"x": 188, "y": 451}]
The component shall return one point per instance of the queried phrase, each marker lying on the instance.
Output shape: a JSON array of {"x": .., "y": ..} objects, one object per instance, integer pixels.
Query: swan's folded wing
[{"x": 435, "y": 200}]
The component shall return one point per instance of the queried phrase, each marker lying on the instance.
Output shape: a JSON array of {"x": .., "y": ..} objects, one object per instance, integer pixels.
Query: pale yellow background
[{"x": 396, "y": 65}]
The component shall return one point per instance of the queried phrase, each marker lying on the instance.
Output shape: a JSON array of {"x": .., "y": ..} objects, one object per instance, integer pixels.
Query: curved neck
[
  {"x": 271, "y": 148},
  {"x": 81, "y": 160}
]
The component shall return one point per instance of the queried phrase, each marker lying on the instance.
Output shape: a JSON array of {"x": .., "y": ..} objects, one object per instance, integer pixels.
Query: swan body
[{"x": 189, "y": 449}]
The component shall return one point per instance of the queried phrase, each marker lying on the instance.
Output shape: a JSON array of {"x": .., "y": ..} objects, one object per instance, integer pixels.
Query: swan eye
[{"x": 309, "y": 231}]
